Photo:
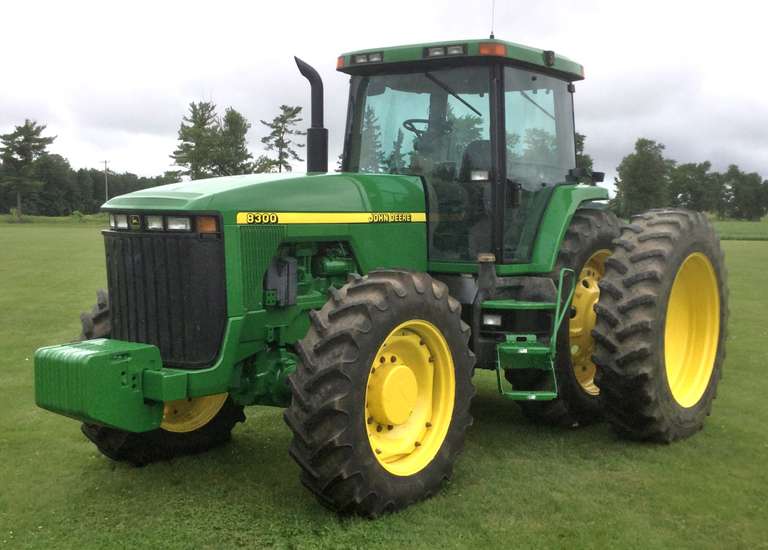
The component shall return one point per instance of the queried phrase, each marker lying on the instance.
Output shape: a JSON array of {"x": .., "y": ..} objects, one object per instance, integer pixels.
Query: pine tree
[
  {"x": 264, "y": 164},
  {"x": 371, "y": 156},
  {"x": 198, "y": 136},
  {"x": 280, "y": 137},
  {"x": 232, "y": 155},
  {"x": 396, "y": 160},
  {"x": 19, "y": 151}
]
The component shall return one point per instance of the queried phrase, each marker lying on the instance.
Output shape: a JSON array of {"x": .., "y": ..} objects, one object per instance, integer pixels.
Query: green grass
[
  {"x": 92, "y": 219},
  {"x": 516, "y": 484},
  {"x": 737, "y": 230}
]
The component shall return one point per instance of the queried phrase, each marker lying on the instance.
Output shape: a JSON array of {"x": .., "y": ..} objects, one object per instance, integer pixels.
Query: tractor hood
[{"x": 288, "y": 192}]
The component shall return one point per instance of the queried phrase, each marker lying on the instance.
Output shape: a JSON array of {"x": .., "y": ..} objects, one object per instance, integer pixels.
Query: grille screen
[{"x": 168, "y": 290}]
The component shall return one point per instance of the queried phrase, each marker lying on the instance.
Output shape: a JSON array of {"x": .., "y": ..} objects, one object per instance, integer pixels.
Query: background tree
[
  {"x": 280, "y": 138},
  {"x": 540, "y": 146},
  {"x": 582, "y": 159},
  {"x": 747, "y": 194},
  {"x": 643, "y": 179},
  {"x": 196, "y": 152},
  {"x": 231, "y": 155},
  {"x": 372, "y": 157},
  {"x": 395, "y": 161},
  {"x": 264, "y": 164},
  {"x": 693, "y": 186},
  {"x": 58, "y": 183},
  {"x": 19, "y": 150}
]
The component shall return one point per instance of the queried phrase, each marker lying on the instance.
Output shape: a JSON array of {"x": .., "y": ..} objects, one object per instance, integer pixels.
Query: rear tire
[
  {"x": 659, "y": 365},
  {"x": 334, "y": 413},
  {"x": 589, "y": 239},
  {"x": 140, "y": 449}
]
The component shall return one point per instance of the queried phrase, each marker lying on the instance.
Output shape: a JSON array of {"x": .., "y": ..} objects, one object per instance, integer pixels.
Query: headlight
[
  {"x": 121, "y": 221},
  {"x": 112, "y": 221},
  {"x": 178, "y": 223},
  {"x": 492, "y": 320},
  {"x": 155, "y": 223}
]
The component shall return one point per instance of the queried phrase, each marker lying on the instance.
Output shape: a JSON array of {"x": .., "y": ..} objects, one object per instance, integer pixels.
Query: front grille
[{"x": 168, "y": 290}]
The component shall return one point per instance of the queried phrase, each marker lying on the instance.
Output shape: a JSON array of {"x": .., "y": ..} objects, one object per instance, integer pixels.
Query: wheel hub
[
  {"x": 393, "y": 394},
  {"x": 409, "y": 397}
]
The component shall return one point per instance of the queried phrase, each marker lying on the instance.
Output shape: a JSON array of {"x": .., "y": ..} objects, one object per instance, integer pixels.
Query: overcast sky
[{"x": 112, "y": 80}]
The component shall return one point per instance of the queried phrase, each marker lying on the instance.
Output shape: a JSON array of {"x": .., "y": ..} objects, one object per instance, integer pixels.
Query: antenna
[{"x": 493, "y": 16}]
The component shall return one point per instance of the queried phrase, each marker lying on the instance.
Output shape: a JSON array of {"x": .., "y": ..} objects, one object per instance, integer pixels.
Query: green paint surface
[{"x": 515, "y": 52}]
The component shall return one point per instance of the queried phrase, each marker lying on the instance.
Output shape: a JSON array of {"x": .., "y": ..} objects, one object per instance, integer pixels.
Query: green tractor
[{"x": 457, "y": 235}]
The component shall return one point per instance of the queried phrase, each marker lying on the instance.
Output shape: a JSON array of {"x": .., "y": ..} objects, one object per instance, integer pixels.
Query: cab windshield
[{"x": 437, "y": 124}]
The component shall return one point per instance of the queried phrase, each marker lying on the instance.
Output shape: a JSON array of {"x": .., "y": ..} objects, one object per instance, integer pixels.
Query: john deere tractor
[{"x": 458, "y": 235}]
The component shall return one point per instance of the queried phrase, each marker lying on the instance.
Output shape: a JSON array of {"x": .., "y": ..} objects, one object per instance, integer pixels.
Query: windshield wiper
[
  {"x": 542, "y": 109},
  {"x": 447, "y": 89}
]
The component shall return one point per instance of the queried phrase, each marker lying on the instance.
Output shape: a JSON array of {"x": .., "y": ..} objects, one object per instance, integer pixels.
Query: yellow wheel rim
[
  {"x": 186, "y": 415},
  {"x": 409, "y": 398},
  {"x": 583, "y": 318},
  {"x": 692, "y": 329}
]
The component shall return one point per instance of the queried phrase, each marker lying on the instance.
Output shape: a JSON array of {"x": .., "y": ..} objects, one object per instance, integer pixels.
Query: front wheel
[
  {"x": 189, "y": 426},
  {"x": 381, "y": 396}
]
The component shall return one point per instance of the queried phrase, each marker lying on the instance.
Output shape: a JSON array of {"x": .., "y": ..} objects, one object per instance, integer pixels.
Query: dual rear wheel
[{"x": 645, "y": 341}]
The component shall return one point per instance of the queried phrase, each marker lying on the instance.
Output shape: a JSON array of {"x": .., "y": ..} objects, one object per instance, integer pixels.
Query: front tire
[
  {"x": 381, "y": 396},
  {"x": 189, "y": 426}
]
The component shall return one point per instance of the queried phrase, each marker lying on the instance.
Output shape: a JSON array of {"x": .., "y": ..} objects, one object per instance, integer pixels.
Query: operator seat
[{"x": 474, "y": 176}]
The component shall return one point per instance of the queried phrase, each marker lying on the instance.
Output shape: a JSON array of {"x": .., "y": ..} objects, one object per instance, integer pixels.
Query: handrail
[{"x": 560, "y": 315}]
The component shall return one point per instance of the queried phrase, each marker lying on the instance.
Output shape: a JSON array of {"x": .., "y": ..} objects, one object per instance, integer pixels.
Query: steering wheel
[{"x": 409, "y": 125}]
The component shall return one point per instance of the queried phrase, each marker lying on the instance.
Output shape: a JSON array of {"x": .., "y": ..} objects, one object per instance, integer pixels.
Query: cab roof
[{"x": 359, "y": 62}]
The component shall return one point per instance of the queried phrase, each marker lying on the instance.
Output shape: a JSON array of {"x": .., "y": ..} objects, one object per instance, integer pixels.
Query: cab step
[
  {"x": 524, "y": 351},
  {"x": 517, "y": 304}
]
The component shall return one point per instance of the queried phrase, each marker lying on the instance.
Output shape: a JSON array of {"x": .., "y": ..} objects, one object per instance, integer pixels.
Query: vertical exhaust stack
[{"x": 317, "y": 135}]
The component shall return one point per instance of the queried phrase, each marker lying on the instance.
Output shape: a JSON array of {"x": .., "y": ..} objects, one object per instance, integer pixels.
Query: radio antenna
[{"x": 493, "y": 16}]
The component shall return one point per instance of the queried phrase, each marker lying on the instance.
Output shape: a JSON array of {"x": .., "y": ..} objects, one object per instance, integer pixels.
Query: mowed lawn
[{"x": 516, "y": 484}]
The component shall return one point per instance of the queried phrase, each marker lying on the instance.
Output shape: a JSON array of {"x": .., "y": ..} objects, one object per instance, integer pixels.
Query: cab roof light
[
  {"x": 493, "y": 48},
  {"x": 436, "y": 51},
  {"x": 359, "y": 59},
  {"x": 340, "y": 62},
  {"x": 456, "y": 49}
]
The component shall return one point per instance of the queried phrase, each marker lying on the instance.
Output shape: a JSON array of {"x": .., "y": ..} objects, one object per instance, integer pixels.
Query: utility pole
[{"x": 106, "y": 182}]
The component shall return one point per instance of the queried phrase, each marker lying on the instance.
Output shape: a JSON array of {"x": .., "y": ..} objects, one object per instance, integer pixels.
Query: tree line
[
  {"x": 647, "y": 179},
  {"x": 35, "y": 181}
]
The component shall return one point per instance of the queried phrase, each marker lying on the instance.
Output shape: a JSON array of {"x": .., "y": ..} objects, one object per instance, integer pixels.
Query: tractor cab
[{"x": 489, "y": 135}]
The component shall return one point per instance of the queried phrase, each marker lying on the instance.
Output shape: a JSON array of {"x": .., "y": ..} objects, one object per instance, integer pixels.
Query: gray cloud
[{"x": 115, "y": 82}]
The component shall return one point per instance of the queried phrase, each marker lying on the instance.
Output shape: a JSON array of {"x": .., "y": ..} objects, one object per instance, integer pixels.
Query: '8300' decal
[{"x": 271, "y": 218}]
